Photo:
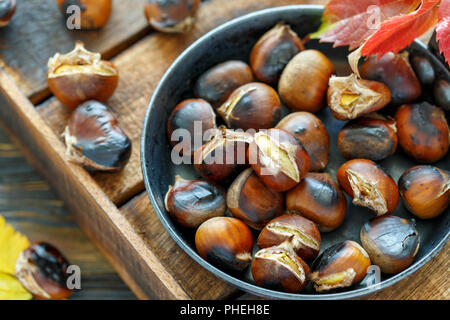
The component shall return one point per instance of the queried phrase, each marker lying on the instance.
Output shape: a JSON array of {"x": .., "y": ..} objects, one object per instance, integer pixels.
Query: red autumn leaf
[
  {"x": 443, "y": 29},
  {"x": 351, "y": 22},
  {"x": 398, "y": 32}
]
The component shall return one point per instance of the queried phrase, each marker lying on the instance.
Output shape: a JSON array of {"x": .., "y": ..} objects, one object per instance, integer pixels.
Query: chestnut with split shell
[
  {"x": 7, "y": 10},
  {"x": 173, "y": 16},
  {"x": 369, "y": 185},
  {"x": 340, "y": 266},
  {"x": 81, "y": 75},
  {"x": 192, "y": 202},
  {"x": 94, "y": 13},
  {"x": 95, "y": 140},
  {"x": 42, "y": 270},
  {"x": 350, "y": 97}
]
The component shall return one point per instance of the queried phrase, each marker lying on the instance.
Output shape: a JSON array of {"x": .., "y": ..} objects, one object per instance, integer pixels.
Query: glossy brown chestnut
[
  {"x": 273, "y": 51},
  {"x": 224, "y": 156},
  {"x": 42, "y": 270},
  {"x": 7, "y": 10},
  {"x": 94, "y": 13},
  {"x": 425, "y": 190},
  {"x": 190, "y": 125},
  {"x": 369, "y": 185},
  {"x": 394, "y": 70},
  {"x": 350, "y": 97},
  {"x": 340, "y": 266},
  {"x": 423, "y": 69},
  {"x": 423, "y": 131},
  {"x": 304, "y": 233},
  {"x": 216, "y": 84},
  {"x": 441, "y": 94},
  {"x": 318, "y": 198},
  {"x": 173, "y": 16},
  {"x": 278, "y": 159},
  {"x": 225, "y": 242},
  {"x": 391, "y": 242},
  {"x": 279, "y": 268},
  {"x": 312, "y": 134},
  {"x": 251, "y": 106},
  {"x": 250, "y": 200},
  {"x": 304, "y": 82},
  {"x": 95, "y": 140},
  {"x": 80, "y": 75},
  {"x": 373, "y": 137},
  {"x": 192, "y": 202}
]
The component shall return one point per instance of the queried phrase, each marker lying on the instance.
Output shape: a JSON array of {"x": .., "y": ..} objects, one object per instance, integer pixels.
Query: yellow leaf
[
  {"x": 12, "y": 289},
  {"x": 11, "y": 245}
]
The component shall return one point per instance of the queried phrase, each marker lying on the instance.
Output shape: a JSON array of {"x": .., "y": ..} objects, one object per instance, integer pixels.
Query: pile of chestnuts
[{"x": 267, "y": 210}]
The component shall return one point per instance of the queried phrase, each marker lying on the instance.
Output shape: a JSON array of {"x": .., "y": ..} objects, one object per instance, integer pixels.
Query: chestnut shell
[
  {"x": 177, "y": 16},
  {"x": 7, "y": 10}
]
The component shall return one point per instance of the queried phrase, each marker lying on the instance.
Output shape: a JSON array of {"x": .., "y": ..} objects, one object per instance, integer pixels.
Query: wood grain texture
[
  {"x": 140, "y": 68},
  {"x": 38, "y": 30}
]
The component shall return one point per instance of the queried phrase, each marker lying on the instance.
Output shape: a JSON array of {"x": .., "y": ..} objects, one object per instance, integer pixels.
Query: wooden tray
[{"x": 113, "y": 209}]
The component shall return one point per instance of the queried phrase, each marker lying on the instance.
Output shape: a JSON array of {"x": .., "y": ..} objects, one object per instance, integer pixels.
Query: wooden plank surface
[{"x": 37, "y": 31}]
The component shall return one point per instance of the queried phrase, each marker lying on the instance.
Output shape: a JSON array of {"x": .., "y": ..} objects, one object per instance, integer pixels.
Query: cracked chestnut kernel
[
  {"x": 173, "y": 16},
  {"x": 95, "y": 140},
  {"x": 216, "y": 84},
  {"x": 318, "y": 198},
  {"x": 7, "y": 10},
  {"x": 425, "y": 191},
  {"x": 423, "y": 131},
  {"x": 279, "y": 268},
  {"x": 373, "y": 137},
  {"x": 224, "y": 156},
  {"x": 273, "y": 51},
  {"x": 394, "y": 70},
  {"x": 225, "y": 242},
  {"x": 441, "y": 93},
  {"x": 391, "y": 242},
  {"x": 312, "y": 134},
  {"x": 42, "y": 270},
  {"x": 369, "y": 186},
  {"x": 198, "y": 118},
  {"x": 251, "y": 106},
  {"x": 305, "y": 235},
  {"x": 341, "y": 265},
  {"x": 278, "y": 159},
  {"x": 192, "y": 202},
  {"x": 250, "y": 200},
  {"x": 350, "y": 97},
  {"x": 80, "y": 75},
  {"x": 94, "y": 13},
  {"x": 304, "y": 82}
]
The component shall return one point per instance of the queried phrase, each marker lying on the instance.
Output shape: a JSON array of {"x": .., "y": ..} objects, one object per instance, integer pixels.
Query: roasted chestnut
[
  {"x": 42, "y": 270},
  {"x": 191, "y": 124},
  {"x": 305, "y": 235},
  {"x": 350, "y": 97},
  {"x": 94, "y": 13},
  {"x": 340, "y": 266},
  {"x": 7, "y": 10},
  {"x": 279, "y": 268},
  {"x": 425, "y": 190},
  {"x": 424, "y": 70},
  {"x": 251, "y": 106},
  {"x": 192, "y": 202},
  {"x": 273, "y": 51},
  {"x": 95, "y": 140},
  {"x": 395, "y": 71},
  {"x": 312, "y": 134},
  {"x": 423, "y": 131},
  {"x": 304, "y": 82},
  {"x": 225, "y": 242},
  {"x": 373, "y": 137},
  {"x": 278, "y": 159},
  {"x": 224, "y": 156},
  {"x": 318, "y": 198},
  {"x": 441, "y": 93},
  {"x": 391, "y": 242},
  {"x": 369, "y": 185},
  {"x": 174, "y": 16},
  {"x": 216, "y": 84},
  {"x": 250, "y": 200},
  {"x": 80, "y": 75}
]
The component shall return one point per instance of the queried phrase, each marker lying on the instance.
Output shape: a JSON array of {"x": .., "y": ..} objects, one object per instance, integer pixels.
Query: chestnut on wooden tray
[
  {"x": 176, "y": 16},
  {"x": 94, "y": 13}
]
